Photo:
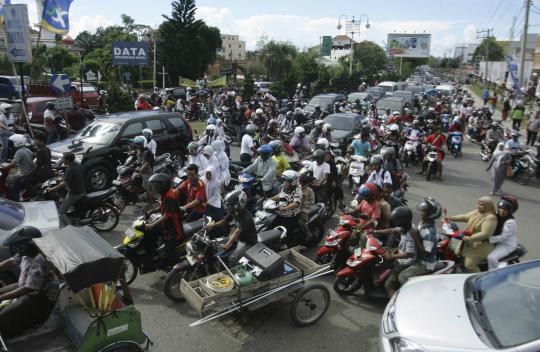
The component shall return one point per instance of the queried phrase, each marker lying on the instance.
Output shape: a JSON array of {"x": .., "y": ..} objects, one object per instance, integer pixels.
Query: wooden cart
[{"x": 309, "y": 304}]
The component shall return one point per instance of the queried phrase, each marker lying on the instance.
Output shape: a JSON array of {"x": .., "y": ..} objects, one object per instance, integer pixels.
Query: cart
[
  {"x": 310, "y": 300},
  {"x": 90, "y": 314}
]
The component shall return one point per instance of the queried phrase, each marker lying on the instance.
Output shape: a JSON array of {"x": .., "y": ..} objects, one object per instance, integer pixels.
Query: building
[
  {"x": 341, "y": 46},
  {"x": 232, "y": 48},
  {"x": 530, "y": 46},
  {"x": 465, "y": 52}
]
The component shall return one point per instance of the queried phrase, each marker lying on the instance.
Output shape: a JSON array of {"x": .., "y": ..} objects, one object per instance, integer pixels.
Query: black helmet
[
  {"x": 23, "y": 235},
  {"x": 235, "y": 200},
  {"x": 401, "y": 217},
  {"x": 430, "y": 207},
  {"x": 50, "y": 105},
  {"x": 509, "y": 203},
  {"x": 318, "y": 154},
  {"x": 159, "y": 183}
]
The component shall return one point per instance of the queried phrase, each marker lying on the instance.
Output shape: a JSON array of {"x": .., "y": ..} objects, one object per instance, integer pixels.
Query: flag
[
  {"x": 513, "y": 70},
  {"x": 55, "y": 16},
  {"x": 2, "y": 3}
]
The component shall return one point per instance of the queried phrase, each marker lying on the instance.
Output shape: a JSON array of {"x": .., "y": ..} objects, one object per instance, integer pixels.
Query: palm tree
[{"x": 277, "y": 58}]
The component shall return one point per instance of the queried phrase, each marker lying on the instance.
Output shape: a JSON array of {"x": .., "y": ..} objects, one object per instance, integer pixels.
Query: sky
[{"x": 303, "y": 22}]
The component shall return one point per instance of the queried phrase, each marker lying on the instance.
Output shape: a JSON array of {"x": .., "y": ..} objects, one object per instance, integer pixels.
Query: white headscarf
[
  {"x": 213, "y": 187},
  {"x": 223, "y": 160},
  {"x": 209, "y": 154}
]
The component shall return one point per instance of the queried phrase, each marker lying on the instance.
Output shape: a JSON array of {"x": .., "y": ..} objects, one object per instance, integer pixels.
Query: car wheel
[{"x": 97, "y": 178}]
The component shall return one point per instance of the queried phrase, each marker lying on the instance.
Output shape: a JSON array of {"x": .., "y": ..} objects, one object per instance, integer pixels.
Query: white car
[{"x": 494, "y": 311}]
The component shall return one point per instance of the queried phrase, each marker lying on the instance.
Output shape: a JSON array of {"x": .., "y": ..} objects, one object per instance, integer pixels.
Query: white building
[
  {"x": 232, "y": 48},
  {"x": 341, "y": 46},
  {"x": 465, "y": 51}
]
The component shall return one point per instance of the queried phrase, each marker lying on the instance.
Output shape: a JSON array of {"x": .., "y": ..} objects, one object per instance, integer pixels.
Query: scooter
[
  {"x": 336, "y": 240},
  {"x": 456, "y": 141},
  {"x": 526, "y": 167},
  {"x": 356, "y": 171},
  {"x": 367, "y": 267},
  {"x": 145, "y": 250},
  {"x": 410, "y": 150},
  {"x": 432, "y": 167},
  {"x": 253, "y": 189}
]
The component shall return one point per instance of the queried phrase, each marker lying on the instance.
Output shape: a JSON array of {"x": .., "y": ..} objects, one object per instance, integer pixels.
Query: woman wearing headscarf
[
  {"x": 209, "y": 154},
  {"x": 223, "y": 160},
  {"x": 482, "y": 223},
  {"x": 498, "y": 164},
  {"x": 214, "y": 206}
]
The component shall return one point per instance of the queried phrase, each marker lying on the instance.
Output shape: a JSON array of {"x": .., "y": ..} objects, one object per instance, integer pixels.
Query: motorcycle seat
[
  {"x": 517, "y": 253},
  {"x": 191, "y": 227},
  {"x": 99, "y": 194},
  {"x": 160, "y": 158},
  {"x": 315, "y": 209},
  {"x": 269, "y": 237}
]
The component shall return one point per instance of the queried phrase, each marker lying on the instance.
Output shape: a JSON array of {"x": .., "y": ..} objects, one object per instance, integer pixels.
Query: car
[
  {"x": 376, "y": 92},
  {"x": 446, "y": 89},
  {"x": 494, "y": 311},
  {"x": 432, "y": 93},
  {"x": 364, "y": 97},
  {"x": 407, "y": 95},
  {"x": 90, "y": 96},
  {"x": 103, "y": 143},
  {"x": 262, "y": 87},
  {"x": 389, "y": 87},
  {"x": 10, "y": 86},
  {"x": 15, "y": 215},
  {"x": 393, "y": 103},
  {"x": 76, "y": 117},
  {"x": 326, "y": 101},
  {"x": 344, "y": 126}
]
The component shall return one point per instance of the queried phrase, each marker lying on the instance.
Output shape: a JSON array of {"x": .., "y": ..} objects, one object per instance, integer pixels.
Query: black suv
[{"x": 100, "y": 145}]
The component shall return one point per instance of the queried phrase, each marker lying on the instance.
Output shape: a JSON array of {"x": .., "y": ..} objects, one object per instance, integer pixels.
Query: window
[
  {"x": 132, "y": 130},
  {"x": 239, "y": 55},
  {"x": 239, "y": 46},
  {"x": 156, "y": 126},
  {"x": 12, "y": 214},
  {"x": 5, "y": 81},
  {"x": 177, "y": 122},
  {"x": 229, "y": 45}
]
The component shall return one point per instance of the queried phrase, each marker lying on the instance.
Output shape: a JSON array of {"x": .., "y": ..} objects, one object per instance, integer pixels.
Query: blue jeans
[
  {"x": 239, "y": 132},
  {"x": 4, "y": 140}
]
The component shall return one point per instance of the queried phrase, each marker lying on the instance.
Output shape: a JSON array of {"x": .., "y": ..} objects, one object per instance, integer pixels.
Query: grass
[
  {"x": 479, "y": 89},
  {"x": 198, "y": 128}
]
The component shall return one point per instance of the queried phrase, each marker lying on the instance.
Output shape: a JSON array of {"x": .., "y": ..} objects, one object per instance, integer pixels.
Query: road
[{"x": 351, "y": 323}]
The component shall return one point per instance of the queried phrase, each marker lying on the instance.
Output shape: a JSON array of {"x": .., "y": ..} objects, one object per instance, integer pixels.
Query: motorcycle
[
  {"x": 456, "y": 141},
  {"x": 410, "y": 150},
  {"x": 253, "y": 189},
  {"x": 356, "y": 171},
  {"x": 265, "y": 220},
  {"x": 367, "y": 267},
  {"x": 145, "y": 250},
  {"x": 336, "y": 240},
  {"x": 526, "y": 167},
  {"x": 432, "y": 167}
]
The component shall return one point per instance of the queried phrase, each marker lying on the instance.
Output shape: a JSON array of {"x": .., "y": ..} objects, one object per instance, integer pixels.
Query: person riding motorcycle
[
  {"x": 259, "y": 119},
  {"x": 505, "y": 236},
  {"x": 195, "y": 157},
  {"x": 327, "y": 131},
  {"x": 379, "y": 175},
  {"x": 436, "y": 141},
  {"x": 317, "y": 131},
  {"x": 36, "y": 291},
  {"x": 209, "y": 136},
  {"x": 43, "y": 170},
  {"x": 290, "y": 195},
  {"x": 264, "y": 169},
  {"x": 368, "y": 206},
  {"x": 272, "y": 130},
  {"x": 513, "y": 145},
  {"x": 299, "y": 117},
  {"x": 321, "y": 172},
  {"x": 247, "y": 147},
  {"x": 193, "y": 191},
  {"x": 318, "y": 113},
  {"x": 299, "y": 142},
  {"x": 23, "y": 160},
  {"x": 150, "y": 141},
  {"x": 393, "y": 165},
  {"x": 494, "y": 136},
  {"x": 282, "y": 164},
  {"x": 393, "y": 137},
  {"x": 171, "y": 214},
  {"x": 287, "y": 126}
]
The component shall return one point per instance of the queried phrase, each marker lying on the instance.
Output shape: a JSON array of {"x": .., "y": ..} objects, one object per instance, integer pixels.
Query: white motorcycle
[
  {"x": 410, "y": 150},
  {"x": 356, "y": 171}
]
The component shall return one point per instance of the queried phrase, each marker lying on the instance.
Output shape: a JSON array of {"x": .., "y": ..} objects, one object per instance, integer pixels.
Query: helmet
[
  {"x": 192, "y": 145},
  {"x": 50, "y": 105},
  {"x": 218, "y": 121},
  {"x": 147, "y": 133},
  {"x": 298, "y": 131},
  {"x": 211, "y": 121},
  {"x": 18, "y": 140},
  {"x": 327, "y": 127},
  {"x": 318, "y": 154},
  {"x": 159, "y": 183},
  {"x": 277, "y": 146},
  {"x": 289, "y": 114},
  {"x": 395, "y": 113},
  {"x": 298, "y": 111},
  {"x": 431, "y": 109},
  {"x": 23, "y": 235},
  {"x": 259, "y": 111},
  {"x": 289, "y": 176},
  {"x": 394, "y": 127},
  {"x": 494, "y": 125},
  {"x": 5, "y": 106},
  {"x": 387, "y": 110},
  {"x": 317, "y": 107},
  {"x": 323, "y": 142},
  {"x": 208, "y": 150},
  {"x": 235, "y": 200},
  {"x": 368, "y": 190},
  {"x": 272, "y": 122},
  {"x": 406, "y": 110},
  {"x": 375, "y": 160},
  {"x": 319, "y": 123},
  {"x": 251, "y": 128},
  {"x": 265, "y": 149},
  {"x": 430, "y": 207},
  {"x": 211, "y": 128},
  {"x": 508, "y": 203},
  {"x": 139, "y": 140},
  {"x": 401, "y": 217},
  {"x": 515, "y": 133}
]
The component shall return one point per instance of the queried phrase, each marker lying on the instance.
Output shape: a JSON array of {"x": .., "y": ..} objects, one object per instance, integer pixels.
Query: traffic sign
[
  {"x": 17, "y": 33},
  {"x": 60, "y": 83},
  {"x": 93, "y": 76},
  {"x": 64, "y": 103}
]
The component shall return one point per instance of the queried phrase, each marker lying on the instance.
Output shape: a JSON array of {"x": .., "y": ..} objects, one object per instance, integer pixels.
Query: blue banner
[
  {"x": 513, "y": 70},
  {"x": 130, "y": 53},
  {"x": 55, "y": 17},
  {"x": 2, "y": 3}
]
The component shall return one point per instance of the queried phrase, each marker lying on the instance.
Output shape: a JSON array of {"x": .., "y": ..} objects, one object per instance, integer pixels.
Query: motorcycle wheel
[
  {"x": 524, "y": 178},
  {"x": 347, "y": 286},
  {"x": 131, "y": 270},
  {"x": 172, "y": 285},
  {"x": 324, "y": 259},
  {"x": 120, "y": 201},
  {"x": 428, "y": 172},
  {"x": 310, "y": 304},
  {"x": 104, "y": 217},
  {"x": 406, "y": 159}
]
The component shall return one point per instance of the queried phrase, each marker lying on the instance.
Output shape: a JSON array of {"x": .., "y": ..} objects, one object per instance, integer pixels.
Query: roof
[
  {"x": 328, "y": 95},
  {"x": 121, "y": 117},
  {"x": 40, "y": 99},
  {"x": 342, "y": 37}
]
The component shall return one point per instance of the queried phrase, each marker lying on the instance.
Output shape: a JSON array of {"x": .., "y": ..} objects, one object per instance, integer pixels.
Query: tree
[
  {"x": 369, "y": 60},
  {"x": 495, "y": 50},
  {"x": 277, "y": 58},
  {"x": 186, "y": 46},
  {"x": 248, "y": 86},
  {"x": 60, "y": 58}
]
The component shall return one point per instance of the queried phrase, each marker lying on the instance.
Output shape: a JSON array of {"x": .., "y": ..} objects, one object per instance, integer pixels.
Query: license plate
[
  {"x": 177, "y": 180},
  {"x": 357, "y": 252},
  {"x": 129, "y": 233},
  {"x": 116, "y": 182}
]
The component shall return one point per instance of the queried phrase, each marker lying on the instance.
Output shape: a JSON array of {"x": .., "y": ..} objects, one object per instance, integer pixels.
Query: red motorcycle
[{"x": 336, "y": 240}]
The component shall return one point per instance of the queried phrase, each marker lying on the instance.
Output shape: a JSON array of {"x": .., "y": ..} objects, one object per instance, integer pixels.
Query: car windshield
[
  {"x": 392, "y": 105},
  {"x": 340, "y": 122},
  {"x": 376, "y": 91},
  {"x": 11, "y": 214},
  {"x": 510, "y": 302},
  {"x": 98, "y": 132},
  {"x": 88, "y": 89},
  {"x": 320, "y": 101},
  {"x": 386, "y": 88}
]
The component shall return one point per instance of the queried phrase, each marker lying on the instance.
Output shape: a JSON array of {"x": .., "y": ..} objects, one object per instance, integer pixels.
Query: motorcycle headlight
[{"x": 400, "y": 344}]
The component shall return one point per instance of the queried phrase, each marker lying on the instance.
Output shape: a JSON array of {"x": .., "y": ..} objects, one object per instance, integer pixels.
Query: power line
[{"x": 494, "y": 13}]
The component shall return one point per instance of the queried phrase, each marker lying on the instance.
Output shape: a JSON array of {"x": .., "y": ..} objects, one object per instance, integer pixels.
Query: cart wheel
[
  {"x": 172, "y": 285},
  {"x": 310, "y": 304},
  {"x": 123, "y": 347}
]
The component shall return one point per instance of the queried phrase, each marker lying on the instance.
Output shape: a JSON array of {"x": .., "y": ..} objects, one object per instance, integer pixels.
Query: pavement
[{"x": 351, "y": 323}]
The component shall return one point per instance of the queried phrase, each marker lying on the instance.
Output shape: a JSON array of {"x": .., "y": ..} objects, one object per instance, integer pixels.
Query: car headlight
[
  {"x": 388, "y": 321},
  {"x": 79, "y": 158},
  {"x": 400, "y": 344}
]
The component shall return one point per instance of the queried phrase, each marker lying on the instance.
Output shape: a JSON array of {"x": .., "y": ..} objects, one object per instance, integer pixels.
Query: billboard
[
  {"x": 326, "y": 45},
  {"x": 130, "y": 53},
  {"x": 408, "y": 45}
]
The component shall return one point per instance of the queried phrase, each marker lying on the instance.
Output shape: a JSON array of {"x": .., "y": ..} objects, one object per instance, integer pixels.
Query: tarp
[
  {"x": 219, "y": 82},
  {"x": 186, "y": 82},
  {"x": 81, "y": 256}
]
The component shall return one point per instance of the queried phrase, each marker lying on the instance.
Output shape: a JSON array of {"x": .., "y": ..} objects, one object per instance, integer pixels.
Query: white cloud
[
  {"x": 88, "y": 23},
  {"x": 213, "y": 16},
  {"x": 469, "y": 34}
]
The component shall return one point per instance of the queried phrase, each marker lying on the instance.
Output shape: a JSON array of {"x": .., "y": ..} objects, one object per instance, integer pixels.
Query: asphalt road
[{"x": 351, "y": 323}]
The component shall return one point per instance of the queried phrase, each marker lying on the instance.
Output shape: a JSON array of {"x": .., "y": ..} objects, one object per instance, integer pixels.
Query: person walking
[
  {"x": 506, "y": 109},
  {"x": 517, "y": 115},
  {"x": 532, "y": 129},
  {"x": 498, "y": 164}
]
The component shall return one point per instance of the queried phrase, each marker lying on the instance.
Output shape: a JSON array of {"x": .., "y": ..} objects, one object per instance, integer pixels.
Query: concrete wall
[{"x": 498, "y": 69}]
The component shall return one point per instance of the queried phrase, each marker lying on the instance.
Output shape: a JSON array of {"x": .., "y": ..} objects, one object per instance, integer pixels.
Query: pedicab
[{"x": 94, "y": 310}]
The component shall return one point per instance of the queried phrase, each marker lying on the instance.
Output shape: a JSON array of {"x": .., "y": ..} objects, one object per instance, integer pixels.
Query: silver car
[{"x": 494, "y": 311}]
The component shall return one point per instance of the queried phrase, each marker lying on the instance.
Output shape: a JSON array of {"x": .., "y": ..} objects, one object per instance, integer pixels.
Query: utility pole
[
  {"x": 163, "y": 73},
  {"x": 486, "y": 49},
  {"x": 524, "y": 44},
  {"x": 512, "y": 27}
]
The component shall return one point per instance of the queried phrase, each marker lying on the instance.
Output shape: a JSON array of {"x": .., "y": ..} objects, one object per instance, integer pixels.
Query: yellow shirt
[{"x": 281, "y": 164}]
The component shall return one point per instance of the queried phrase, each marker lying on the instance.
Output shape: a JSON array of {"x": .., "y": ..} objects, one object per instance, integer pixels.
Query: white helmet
[
  {"x": 147, "y": 131},
  {"x": 319, "y": 123},
  {"x": 18, "y": 140},
  {"x": 324, "y": 142},
  {"x": 298, "y": 111},
  {"x": 394, "y": 127},
  {"x": 395, "y": 113},
  {"x": 299, "y": 130},
  {"x": 4, "y": 107},
  {"x": 326, "y": 127},
  {"x": 210, "y": 128},
  {"x": 289, "y": 176},
  {"x": 259, "y": 111}
]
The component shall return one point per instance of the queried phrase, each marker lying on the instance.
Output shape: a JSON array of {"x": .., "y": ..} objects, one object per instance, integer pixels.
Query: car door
[
  {"x": 178, "y": 132},
  {"x": 160, "y": 135},
  {"x": 130, "y": 131}
]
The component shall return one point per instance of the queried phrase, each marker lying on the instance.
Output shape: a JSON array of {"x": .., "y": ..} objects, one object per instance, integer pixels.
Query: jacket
[
  {"x": 482, "y": 229},
  {"x": 266, "y": 170}
]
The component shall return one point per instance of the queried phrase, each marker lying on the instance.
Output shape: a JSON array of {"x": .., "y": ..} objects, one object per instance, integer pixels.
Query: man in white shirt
[
  {"x": 247, "y": 147},
  {"x": 321, "y": 170},
  {"x": 378, "y": 176},
  {"x": 150, "y": 142}
]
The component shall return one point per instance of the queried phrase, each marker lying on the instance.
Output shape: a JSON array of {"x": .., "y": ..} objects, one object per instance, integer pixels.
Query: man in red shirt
[
  {"x": 408, "y": 117},
  {"x": 194, "y": 192},
  {"x": 435, "y": 141},
  {"x": 143, "y": 104}
]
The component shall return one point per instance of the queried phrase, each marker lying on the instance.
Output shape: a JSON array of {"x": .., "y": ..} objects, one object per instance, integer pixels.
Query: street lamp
[{"x": 352, "y": 26}]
